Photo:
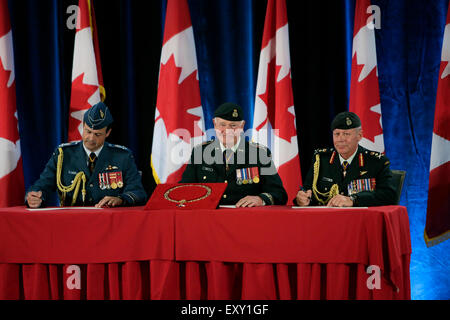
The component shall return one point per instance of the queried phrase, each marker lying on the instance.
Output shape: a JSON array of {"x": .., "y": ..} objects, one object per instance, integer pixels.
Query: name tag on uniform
[
  {"x": 208, "y": 169},
  {"x": 361, "y": 185},
  {"x": 72, "y": 172},
  {"x": 327, "y": 179}
]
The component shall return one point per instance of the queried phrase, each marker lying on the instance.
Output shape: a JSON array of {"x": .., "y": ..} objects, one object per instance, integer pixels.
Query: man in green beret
[
  {"x": 246, "y": 167},
  {"x": 347, "y": 175},
  {"x": 90, "y": 172}
]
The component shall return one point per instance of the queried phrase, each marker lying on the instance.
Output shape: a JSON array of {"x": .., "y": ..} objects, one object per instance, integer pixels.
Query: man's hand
[
  {"x": 109, "y": 202},
  {"x": 340, "y": 201},
  {"x": 249, "y": 201},
  {"x": 303, "y": 197},
  {"x": 34, "y": 199}
]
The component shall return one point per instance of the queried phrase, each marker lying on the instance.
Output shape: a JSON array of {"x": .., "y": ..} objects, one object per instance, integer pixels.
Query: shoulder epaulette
[
  {"x": 117, "y": 146},
  {"x": 374, "y": 154},
  {"x": 257, "y": 145},
  {"x": 325, "y": 150},
  {"x": 69, "y": 144},
  {"x": 207, "y": 142}
]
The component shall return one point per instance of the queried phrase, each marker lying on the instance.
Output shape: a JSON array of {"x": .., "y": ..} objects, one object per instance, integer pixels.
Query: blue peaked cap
[{"x": 98, "y": 116}]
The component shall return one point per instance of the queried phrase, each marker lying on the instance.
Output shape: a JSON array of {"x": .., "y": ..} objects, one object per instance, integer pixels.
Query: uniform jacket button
[{"x": 225, "y": 196}]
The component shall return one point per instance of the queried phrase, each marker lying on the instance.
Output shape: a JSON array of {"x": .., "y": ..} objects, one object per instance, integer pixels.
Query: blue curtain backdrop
[{"x": 228, "y": 36}]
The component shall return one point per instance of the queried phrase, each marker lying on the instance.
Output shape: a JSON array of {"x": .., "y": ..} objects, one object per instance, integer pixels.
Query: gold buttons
[
  {"x": 204, "y": 177},
  {"x": 225, "y": 196}
]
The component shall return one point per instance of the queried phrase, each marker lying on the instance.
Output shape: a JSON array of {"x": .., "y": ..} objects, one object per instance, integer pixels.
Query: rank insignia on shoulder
[
  {"x": 256, "y": 144},
  {"x": 376, "y": 154},
  {"x": 321, "y": 150},
  {"x": 119, "y": 146},
  {"x": 68, "y": 144}
]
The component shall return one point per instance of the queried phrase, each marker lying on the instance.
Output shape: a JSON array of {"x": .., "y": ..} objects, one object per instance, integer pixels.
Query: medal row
[
  {"x": 361, "y": 185},
  {"x": 247, "y": 175},
  {"x": 110, "y": 180}
]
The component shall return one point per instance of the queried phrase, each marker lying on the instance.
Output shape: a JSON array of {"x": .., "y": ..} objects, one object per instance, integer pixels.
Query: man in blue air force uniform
[{"x": 91, "y": 171}]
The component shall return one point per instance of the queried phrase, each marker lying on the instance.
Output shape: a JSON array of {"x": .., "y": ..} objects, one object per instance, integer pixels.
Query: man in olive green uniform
[
  {"x": 91, "y": 171},
  {"x": 348, "y": 174},
  {"x": 246, "y": 167}
]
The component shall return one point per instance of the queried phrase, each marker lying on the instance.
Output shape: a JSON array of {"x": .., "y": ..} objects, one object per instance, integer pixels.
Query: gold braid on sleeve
[
  {"x": 327, "y": 195},
  {"x": 80, "y": 176}
]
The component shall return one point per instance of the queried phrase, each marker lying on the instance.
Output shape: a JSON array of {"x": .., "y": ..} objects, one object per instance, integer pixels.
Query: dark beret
[
  {"x": 98, "y": 116},
  {"x": 346, "y": 120},
  {"x": 229, "y": 111}
]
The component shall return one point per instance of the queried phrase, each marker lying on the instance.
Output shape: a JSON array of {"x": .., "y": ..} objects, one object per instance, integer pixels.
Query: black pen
[{"x": 304, "y": 190}]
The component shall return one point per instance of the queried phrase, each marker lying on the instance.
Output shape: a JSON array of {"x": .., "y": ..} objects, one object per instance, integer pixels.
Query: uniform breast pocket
[
  {"x": 206, "y": 174},
  {"x": 324, "y": 184}
]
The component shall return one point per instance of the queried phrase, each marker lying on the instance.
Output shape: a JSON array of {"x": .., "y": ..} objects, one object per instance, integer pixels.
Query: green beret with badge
[
  {"x": 229, "y": 111},
  {"x": 346, "y": 120}
]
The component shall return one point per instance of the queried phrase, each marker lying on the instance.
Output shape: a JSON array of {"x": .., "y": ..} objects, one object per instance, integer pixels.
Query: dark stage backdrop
[{"x": 228, "y": 36}]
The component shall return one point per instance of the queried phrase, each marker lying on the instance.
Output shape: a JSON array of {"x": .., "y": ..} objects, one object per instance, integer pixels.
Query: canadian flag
[
  {"x": 274, "y": 116},
  {"x": 179, "y": 120},
  {"x": 87, "y": 79},
  {"x": 437, "y": 227},
  {"x": 12, "y": 188},
  {"x": 364, "y": 88}
]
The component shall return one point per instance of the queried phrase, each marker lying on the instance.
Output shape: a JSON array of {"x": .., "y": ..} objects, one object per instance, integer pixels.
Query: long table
[{"x": 273, "y": 252}]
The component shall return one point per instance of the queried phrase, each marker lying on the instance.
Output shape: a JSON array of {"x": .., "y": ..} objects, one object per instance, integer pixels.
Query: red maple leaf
[
  {"x": 8, "y": 122},
  {"x": 174, "y": 100},
  {"x": 81, "y": 92},
  {"x": 278, "y": 99},
  {"x": 365, "y": 95}
]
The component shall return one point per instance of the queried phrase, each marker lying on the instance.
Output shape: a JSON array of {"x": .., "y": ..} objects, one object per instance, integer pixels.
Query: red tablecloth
[{"x": 256, "y": 253}]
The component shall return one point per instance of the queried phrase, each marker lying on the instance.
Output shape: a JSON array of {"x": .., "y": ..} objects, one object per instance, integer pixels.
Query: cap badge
[
  {"x": 348, "y": 121},
  {"x": 235, "y": 113},
  {"x": 102, "y": 115}
]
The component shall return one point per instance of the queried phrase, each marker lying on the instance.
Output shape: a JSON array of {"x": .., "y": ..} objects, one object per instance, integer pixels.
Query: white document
[
  {"x": 324, "y": 207},
  {"x": 62, "y": 208}
]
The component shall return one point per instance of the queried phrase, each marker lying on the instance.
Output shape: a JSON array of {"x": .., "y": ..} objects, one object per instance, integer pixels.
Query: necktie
[
  {"x": 92, "y": 160},
  {"x": 227, "y": 155},
  {"x": 344, "y": 168}
]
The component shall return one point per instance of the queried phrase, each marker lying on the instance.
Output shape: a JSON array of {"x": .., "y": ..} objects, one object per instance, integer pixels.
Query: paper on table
[
  {"x": 324, "y": 207},
  {"x": 227, "y": 206},
  {"x": 62, "y": 208}
]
